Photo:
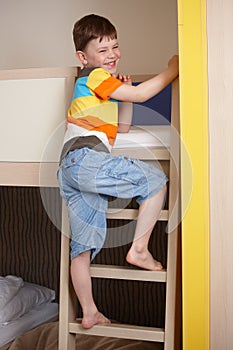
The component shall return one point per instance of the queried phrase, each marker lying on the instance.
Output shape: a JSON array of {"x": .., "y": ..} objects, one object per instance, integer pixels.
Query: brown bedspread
[{"x": 45, "y": 337}]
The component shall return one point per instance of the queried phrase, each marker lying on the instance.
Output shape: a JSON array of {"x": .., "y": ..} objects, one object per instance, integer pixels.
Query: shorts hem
[
  {"x": 140, "y": 200},
  {"x": 82, "y": 249}
]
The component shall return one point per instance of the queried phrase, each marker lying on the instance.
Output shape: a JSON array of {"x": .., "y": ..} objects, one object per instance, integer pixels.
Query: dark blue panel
[{"x": 155, "y": 111}]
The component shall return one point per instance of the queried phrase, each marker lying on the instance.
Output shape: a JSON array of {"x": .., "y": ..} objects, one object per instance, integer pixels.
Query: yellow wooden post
[{"x": 194, "y": 133}]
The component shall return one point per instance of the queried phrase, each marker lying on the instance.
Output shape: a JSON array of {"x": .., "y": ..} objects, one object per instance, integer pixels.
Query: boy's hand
[
  {"x": 126, "y": 79},
  {"x": 174, "y": 63}
]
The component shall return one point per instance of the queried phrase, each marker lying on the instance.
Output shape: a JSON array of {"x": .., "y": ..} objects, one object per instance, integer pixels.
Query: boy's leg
[
  {"x": 87, "y": 218},
  {"x": 81, "y": 278},
  {"x": 149, "y": 212}
]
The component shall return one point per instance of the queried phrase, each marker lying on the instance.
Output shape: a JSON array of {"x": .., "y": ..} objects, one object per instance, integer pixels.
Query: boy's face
[{"x": 105, "y": 54}]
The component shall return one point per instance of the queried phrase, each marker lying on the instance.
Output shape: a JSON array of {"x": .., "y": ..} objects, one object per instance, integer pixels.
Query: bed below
[
  {"x": 41, "y": 314},
  {"x": 46, "y": 337},
  {"x": 23, "y": 306}
]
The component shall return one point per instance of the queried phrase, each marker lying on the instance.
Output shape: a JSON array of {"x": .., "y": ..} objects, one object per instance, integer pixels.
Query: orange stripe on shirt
[
  {"x": 105, "y": 89},
  {"x": 94, "y": 123}
]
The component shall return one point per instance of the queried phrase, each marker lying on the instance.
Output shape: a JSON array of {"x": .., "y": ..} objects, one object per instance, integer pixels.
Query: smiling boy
[{"x": 88, "y": 173}]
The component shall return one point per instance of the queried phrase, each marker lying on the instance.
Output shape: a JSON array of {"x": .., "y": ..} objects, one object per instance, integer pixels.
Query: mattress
[
  {"x": 144, "y": 136},
  {"x": 41, "y": 314}
]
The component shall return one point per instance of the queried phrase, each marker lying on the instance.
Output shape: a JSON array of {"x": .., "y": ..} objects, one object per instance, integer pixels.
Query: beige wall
[
  {"x": 220, "y": 53},
  {"x": 38, "y": 33}
]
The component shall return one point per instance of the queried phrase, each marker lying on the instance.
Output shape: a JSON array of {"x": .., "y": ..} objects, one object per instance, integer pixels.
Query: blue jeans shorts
[{"x": 86, "y": 179}]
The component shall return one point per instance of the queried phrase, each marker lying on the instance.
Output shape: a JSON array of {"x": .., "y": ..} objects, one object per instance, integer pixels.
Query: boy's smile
[{"x": 105, "y": 54}]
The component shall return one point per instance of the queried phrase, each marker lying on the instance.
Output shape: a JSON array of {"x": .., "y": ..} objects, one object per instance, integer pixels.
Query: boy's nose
[{"x": 111, "y": 54}]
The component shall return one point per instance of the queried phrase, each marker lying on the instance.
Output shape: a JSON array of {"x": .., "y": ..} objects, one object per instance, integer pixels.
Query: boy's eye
[{"x": 102, "y": 50}]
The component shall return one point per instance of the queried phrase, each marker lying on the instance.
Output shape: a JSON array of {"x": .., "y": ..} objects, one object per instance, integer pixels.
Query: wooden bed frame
[{"x": 19, "y": 169}]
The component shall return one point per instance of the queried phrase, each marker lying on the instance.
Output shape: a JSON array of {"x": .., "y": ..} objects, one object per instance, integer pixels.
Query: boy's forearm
[
  {"x": 153, "y": 86},
  {"x": 125, "y": 117}
]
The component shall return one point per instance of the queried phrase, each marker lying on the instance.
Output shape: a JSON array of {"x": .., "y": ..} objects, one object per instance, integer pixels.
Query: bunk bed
[{"x": 37, "y": 100}]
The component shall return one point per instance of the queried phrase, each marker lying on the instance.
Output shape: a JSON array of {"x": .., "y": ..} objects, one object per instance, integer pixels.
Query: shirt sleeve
[{"x": 102, "y": 83}]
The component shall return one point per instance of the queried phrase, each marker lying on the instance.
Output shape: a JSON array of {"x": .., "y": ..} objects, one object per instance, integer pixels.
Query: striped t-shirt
[{"x": 92, "y": 112}]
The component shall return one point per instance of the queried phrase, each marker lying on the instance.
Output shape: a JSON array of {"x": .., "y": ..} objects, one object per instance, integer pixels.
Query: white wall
[{"x": 38, "y": 33}]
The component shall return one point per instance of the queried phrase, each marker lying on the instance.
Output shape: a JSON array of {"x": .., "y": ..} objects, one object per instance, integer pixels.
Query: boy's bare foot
[
  {"x": 97, "y": 318},
  {"x": 144, "y": 260}
]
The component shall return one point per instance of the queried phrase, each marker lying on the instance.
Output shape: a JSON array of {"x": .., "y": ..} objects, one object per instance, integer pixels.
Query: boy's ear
[{"x": 81, "y": 56}]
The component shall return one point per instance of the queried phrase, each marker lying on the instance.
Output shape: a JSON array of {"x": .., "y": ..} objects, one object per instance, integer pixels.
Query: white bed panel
[
  {"x": 35, "y": 317},
  {"x": 30, "y": 110}
]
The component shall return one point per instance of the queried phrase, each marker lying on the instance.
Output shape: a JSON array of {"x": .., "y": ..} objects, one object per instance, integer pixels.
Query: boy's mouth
[{"x": 111, "y": 64}]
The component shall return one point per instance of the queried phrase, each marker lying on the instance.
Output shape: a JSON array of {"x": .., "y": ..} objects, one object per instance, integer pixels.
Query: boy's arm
[
  {"x": 125, "y": 117},
  {"x": 149, "y": 88},
  {"x": 125, "y": 113}
]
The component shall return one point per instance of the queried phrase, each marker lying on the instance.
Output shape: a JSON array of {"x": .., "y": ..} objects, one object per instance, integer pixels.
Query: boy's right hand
[{"x": 174, "y": 63}]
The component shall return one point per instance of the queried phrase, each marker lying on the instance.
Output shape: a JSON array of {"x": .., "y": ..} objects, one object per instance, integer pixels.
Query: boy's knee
[{"x": 164, "y": 189}]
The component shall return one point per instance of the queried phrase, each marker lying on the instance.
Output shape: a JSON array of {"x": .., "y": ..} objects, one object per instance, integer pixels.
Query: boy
[{"x": 88, "y": 174}]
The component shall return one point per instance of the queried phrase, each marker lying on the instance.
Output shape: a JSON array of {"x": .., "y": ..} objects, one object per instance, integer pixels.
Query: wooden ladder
[{"x": 68, "y": 325}]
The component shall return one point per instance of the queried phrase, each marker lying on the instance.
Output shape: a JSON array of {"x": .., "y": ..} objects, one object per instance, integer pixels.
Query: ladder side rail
[
  {"x": 67, "y": 305},
  {"x": 171, "y": 328}
]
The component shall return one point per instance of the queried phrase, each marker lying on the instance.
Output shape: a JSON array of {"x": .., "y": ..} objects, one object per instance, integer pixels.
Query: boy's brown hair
[{"x": 92, "y": 27}]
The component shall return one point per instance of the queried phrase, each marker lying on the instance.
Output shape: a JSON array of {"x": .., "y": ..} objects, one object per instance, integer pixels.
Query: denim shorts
[{"x": 87, "y": 178}]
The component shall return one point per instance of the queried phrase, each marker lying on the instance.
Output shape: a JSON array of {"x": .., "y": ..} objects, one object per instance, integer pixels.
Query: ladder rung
[
  {"x": 130, "y": 214},
  {"x": 125, "y": 273},
  {"x": 120, "y": 331}
]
